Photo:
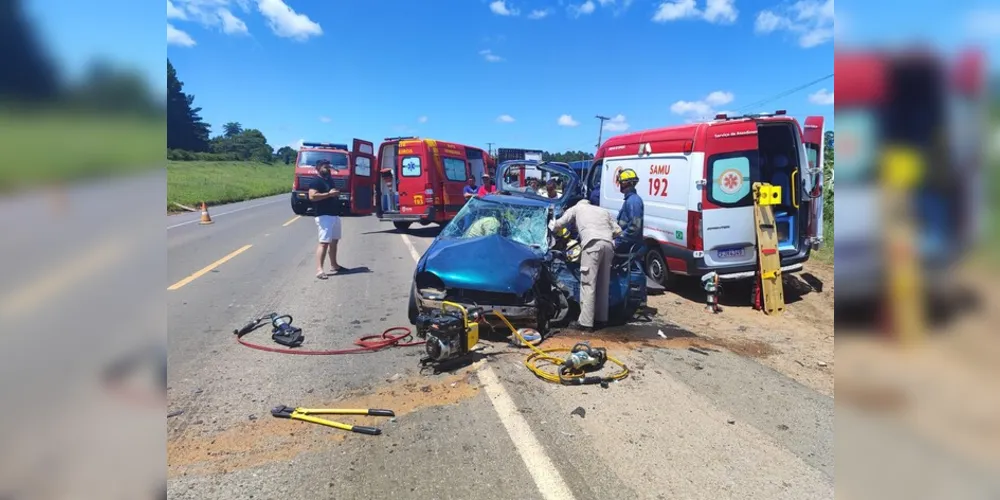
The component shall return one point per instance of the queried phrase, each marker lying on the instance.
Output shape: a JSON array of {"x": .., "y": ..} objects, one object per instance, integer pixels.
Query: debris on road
[
  {"x": 699, "y": 351},
  {"x": 174, "y": 413},
  {"x": 579, "y": 411}
]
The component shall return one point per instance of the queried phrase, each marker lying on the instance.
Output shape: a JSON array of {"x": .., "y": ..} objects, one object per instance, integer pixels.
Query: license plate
[{"x": 728, "y": 253}]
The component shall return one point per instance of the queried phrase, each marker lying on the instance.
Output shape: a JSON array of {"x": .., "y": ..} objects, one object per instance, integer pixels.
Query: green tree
[
  {"x": 108, "y": 89},
  {"x": 232, "y": 129},
  {"x": 249, "y": 144},
  {"x": 567, "y": 157},
  {"x": 28, "y": 74},
  {"x": 185, "y": 128},
  {"x": 286, "y": 154}
]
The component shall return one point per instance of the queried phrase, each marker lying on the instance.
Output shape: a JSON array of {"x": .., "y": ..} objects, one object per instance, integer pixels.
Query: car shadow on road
[
  {"x": 740, "y": 293},
  {"x": 429, "y": 232}
]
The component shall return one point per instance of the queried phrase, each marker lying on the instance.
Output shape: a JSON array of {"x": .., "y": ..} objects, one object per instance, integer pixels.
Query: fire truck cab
[
  {"x": 352, "y": 171},
  {"x": 695, "y": 182},
  {"x": 422, "y": 180}
]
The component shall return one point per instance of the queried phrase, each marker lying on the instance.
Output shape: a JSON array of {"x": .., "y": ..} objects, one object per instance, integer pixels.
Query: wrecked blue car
[{"x": 498, "y": 254}]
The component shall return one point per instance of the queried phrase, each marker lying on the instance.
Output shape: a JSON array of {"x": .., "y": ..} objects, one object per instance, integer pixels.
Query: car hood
[{"x": 487, "y": 264}]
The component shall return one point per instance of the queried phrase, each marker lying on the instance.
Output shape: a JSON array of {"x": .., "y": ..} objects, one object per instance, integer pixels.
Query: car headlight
[{"x": 430, "y": 286}]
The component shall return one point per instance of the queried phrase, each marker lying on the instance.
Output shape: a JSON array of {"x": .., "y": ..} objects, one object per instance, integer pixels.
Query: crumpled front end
[{"x": 491, "y": 272}]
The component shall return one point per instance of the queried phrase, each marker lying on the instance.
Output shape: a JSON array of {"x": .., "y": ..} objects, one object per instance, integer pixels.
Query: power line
[{"x": 783, "y": 94}]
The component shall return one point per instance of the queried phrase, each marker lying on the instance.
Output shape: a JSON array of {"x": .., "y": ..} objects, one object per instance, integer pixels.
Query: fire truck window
[
  {"x": 454, "y": 169},
  {"x": 362, "y": 166},
  {"x": 729, "y": 178},
  {"x": 309, "y": 159},
  {"x": 411, "y": 166}
]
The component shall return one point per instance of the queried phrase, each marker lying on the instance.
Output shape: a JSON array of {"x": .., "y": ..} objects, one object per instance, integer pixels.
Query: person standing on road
[
  {"x": 325, "y": 199},
  {"x": 487, "y": 187},
  {"x": 597, "y": 233},
  {"x": 470, "y": 190},
  {"x": 631, "y": 214}
]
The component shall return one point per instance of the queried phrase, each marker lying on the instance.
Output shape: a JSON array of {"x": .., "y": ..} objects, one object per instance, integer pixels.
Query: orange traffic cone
[{"x": 205, "y": 218}]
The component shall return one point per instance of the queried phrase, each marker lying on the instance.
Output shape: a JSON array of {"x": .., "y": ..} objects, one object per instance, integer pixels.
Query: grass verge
[
  {"x": 825, "y": 254},
  {"x": 52, "y": 146},
  {"x": 217, "y": 182}
]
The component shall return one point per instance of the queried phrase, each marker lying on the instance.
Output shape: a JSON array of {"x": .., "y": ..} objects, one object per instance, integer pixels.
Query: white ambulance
[{"x": 695, "y": 182}]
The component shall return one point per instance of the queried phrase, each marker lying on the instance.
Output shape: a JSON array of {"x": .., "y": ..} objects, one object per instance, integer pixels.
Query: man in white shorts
[{"x": 326, "y": 203}]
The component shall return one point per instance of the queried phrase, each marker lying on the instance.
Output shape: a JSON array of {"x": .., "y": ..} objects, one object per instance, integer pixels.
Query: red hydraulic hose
[{"x": 365, "y": 344}]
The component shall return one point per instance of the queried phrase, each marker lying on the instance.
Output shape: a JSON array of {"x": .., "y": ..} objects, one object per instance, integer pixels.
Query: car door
[
  {"x": 731, "y": 166},
  {"x": 362, "y": 177},
  {"x": 812, "y": 180}
]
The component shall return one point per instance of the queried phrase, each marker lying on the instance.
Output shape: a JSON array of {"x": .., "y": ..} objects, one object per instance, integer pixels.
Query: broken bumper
[
  {"x": 511, "y": 312},
  {"x": 399, "y": 217}
]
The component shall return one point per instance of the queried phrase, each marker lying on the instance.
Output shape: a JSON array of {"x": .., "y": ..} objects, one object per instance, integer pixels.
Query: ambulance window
[
  {"x": 813, "y": 154},
  {"x": 454, "y": 169},
  {"x": 362, "y": 166},
  {"x": 411, "y": 166},
  {"x": 729, "y": 178}
]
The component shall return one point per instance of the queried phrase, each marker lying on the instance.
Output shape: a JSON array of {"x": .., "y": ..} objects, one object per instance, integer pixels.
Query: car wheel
[
  {"x": 401, "y": 226},
  {"x": 656, "y": 267},
  {"x": 414, "y": 310}
]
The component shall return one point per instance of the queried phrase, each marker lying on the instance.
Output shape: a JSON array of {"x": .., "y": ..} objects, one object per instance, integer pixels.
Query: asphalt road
[{"x": 684, "y": 425}]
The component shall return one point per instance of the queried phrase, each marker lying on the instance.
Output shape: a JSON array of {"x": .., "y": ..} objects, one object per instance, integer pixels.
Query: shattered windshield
[
  {"x": 536, "y": 181},
  {"x": 481, "y": 217}
]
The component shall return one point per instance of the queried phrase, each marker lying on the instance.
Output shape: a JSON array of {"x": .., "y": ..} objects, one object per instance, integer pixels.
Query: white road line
[
  {"x": 226, "y": 213},
  {"x": 413, "y": 250},
  {"x": 543, "y": 471},
  {"x": 547, "y": 478}
]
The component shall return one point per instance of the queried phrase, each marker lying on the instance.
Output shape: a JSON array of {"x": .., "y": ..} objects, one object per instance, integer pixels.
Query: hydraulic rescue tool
[
  {"x": 304, "y": 415},
  {"x": 450, "y": 332},
  {"x": 282, "y": 330},
  {"x": 583, "y": 358}
]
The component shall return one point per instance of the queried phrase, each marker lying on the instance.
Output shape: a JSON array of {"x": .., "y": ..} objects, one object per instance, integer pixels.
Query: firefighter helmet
[{"x": 628, "y": 176}]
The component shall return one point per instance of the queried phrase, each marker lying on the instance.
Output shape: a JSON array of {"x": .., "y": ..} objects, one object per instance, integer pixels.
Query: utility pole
[
  {"x": 601, "y": 130},
  {"x": 490, "y": 146}
]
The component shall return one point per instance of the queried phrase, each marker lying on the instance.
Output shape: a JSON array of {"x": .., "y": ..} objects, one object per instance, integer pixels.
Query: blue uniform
[{"x": 630, "y": 220}]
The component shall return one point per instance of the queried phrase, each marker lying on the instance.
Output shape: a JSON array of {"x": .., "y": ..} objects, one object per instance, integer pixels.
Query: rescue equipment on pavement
[
  {"x": 712, "y": 287},
  {"x": 397, "y": 336},
  {"x": 282, "y": 330},
  {"x": 765, "y": 196},
  {"x": 573, "y": 369},
  {"x": 450, "y": 332},
  {"x": 304, "y": 415}
]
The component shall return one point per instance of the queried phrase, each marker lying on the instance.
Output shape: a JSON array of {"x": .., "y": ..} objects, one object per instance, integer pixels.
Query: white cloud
[
  {"x": 287, "y": 23},
  {"x": 174, "y": 12},
  {"x": 490, "y": 56},
  {"x": 616, "y": 124},
  {"x": 584, "y": 9},
  {"x": 178, "y": 37},
  {"x": 505, "y": 119},
  {"x": 539, "y": 14},
  {"x": 297, "y": 145},
  {"x": 499, "y": 7},
  {"x": 422, "y": 119},
  {"x": 702, "y": 109},
  {"x": 812, "y": 21},
  {"x": 232, "y": 25},
  {"x": 716, "y": 11},
  {"x": 822, "y": 97},
  {"x": 324, "y": 119},
  {"x": 567, "y": 121}
]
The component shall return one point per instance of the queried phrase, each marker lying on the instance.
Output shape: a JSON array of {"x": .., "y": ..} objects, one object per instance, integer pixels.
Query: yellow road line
[
  {"x": 297, "y": 217},
  {"x": 74, "y": 271},
  {"x": 207, "y": 268}
]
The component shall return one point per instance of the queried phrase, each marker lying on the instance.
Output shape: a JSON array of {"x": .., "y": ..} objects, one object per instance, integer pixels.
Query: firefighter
[
  {"x": 631, "y": 214},
  {"x": 597, "y": 233}
]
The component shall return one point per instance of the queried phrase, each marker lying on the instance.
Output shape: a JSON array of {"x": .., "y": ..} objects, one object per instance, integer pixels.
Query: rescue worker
[
  {"x": 597, "y": 231},
  {"x": 631, "y": 214}
]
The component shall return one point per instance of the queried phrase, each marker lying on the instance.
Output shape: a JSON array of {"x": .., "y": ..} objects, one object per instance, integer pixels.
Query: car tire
[
  {"x": 401, "y": 226},
  {"x": 656, "y": 266},
  {"x": 299, "y": 208},
  {"x": 413, "y": 310}
]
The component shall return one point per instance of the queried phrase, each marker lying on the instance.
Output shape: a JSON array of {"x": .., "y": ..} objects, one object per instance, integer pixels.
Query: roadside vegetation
[
  {"x": 60, "y": 128},
  {"x": 190, "y": 183}
]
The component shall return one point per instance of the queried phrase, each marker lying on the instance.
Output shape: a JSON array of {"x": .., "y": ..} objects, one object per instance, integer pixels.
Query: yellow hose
[{"x": 570, "y": 378}]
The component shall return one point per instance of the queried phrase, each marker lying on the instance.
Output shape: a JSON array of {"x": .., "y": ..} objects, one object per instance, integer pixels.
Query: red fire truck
[{"x": 353, "y": 173}]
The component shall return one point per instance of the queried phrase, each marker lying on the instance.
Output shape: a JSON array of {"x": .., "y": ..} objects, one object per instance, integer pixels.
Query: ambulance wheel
[
  {"x": 656, "y": 267},
  {"x": 402, "y": 226}
]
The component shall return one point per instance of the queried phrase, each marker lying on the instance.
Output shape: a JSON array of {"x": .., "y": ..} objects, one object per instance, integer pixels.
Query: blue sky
[{"x": 518, "y": 73}]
